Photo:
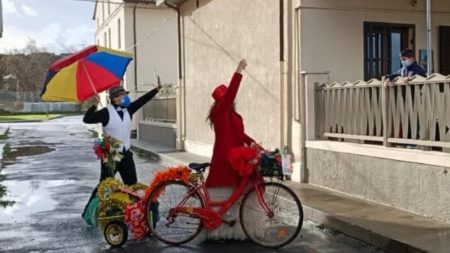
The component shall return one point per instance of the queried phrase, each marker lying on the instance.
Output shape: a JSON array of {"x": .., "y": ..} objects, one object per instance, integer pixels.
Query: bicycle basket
[{"x": 270, "y": 165}]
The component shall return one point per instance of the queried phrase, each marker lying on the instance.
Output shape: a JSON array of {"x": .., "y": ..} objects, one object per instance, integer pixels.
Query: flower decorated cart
[
  {"x": 116, "y": 206},
  {"x": 122, "y": 209},
  {"x": 117, "y": 209}
]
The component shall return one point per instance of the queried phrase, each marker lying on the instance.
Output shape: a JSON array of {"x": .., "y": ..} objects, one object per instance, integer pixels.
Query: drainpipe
[
  {"x": 182, "y": 92},
  {"x": 281, "y": 30},
  {"x": 429, "y": 33},
  {"x": 135, "y": 49},
  {"x": 1, "y": 19},
  {"x": 283, "y": 85},
  {"x": 177, "y": 9}
]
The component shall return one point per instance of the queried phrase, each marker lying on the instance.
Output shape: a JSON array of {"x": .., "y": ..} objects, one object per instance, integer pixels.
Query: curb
[
  {"x": 154, "y": 156},
  {"x": 359, "y": 233}
]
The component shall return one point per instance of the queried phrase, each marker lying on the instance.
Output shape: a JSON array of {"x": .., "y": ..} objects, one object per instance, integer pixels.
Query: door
[
  {"x": 444, "y": 50},
  {"x": 383, "y": 43}
]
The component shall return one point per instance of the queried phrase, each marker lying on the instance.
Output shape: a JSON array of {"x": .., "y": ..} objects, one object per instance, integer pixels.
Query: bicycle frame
[{"x": 213, "y": 219}]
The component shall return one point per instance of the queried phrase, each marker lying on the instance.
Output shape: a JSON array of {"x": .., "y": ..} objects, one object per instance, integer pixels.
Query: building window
[
  {"x": 104, "y": 39},
  {"x": 383, "y": 43},
  {"x": 119, "y": 35},
  {"x": 109, "y": 8}
]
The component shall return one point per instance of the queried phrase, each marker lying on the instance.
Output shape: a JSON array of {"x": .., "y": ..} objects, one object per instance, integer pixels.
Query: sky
[{"x": 56, "y": 25}]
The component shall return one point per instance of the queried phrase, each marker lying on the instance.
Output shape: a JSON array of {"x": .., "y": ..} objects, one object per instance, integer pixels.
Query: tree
[{"x": 26, "y": 70}]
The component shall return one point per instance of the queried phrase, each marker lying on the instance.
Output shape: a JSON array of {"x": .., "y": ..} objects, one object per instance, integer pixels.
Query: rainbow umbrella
[{"x": 79, "y": 76}]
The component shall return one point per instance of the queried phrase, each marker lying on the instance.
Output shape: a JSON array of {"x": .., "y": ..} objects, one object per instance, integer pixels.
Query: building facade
[
  {"x": 294, "y": 46},
  {"x": 354, "y": 136},
  {"x": 150, "y": 34}
]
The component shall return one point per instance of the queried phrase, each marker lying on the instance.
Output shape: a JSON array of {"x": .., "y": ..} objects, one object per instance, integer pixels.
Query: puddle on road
[
  {"x": 27, "y": 151},
  {"x": 31, "y": 197}
]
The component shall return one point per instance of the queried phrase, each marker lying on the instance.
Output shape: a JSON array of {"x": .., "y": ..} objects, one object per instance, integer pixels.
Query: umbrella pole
[{"x": 90, "y": 82}]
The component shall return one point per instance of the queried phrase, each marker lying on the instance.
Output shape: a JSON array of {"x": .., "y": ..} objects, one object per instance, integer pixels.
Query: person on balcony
[
  {"x": 409, "y": 68},
  {"x": 116, "y": 122},
  {"x": 229, "y": 133}
]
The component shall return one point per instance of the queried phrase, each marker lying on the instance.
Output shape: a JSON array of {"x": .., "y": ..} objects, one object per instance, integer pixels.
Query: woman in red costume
[{"x": 229, "y": 133}]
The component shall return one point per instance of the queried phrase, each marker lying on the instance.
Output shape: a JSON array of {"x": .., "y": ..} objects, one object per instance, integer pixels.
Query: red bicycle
[{"x": 271, "y": 215}]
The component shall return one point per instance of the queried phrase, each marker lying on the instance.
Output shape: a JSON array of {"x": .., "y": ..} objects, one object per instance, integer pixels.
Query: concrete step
[{"x": 388, "y": 228}]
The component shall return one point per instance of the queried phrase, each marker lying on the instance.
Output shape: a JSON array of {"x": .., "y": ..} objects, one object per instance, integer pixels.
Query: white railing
[{"x": 411, "y": 113}]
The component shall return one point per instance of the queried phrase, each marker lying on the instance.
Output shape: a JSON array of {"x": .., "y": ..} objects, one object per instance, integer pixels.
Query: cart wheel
[{"x": 116, "y": 233}]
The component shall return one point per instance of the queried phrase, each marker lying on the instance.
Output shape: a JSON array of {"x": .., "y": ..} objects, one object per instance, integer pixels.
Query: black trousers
[{"x": 126, "y": 169}]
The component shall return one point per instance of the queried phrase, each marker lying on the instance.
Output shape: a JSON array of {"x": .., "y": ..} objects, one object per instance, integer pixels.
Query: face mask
[
  {"x": 125, "y": 102},
  {"x": 406, "y": 63}
]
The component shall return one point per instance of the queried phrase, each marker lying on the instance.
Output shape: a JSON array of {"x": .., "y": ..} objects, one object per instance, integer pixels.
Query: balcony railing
[
  {"x": 161, "y": 109},
  {"x": 414, "y": 113}
]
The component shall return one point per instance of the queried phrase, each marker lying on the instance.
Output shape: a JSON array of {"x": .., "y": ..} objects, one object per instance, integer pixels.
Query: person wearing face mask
[
  {"x": 409, "y": 67},
  {"x": 116, "y": 122}
]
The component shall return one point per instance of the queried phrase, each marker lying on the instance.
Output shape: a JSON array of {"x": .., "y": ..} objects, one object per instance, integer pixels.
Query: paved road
[{"x": 52, "y": 178}]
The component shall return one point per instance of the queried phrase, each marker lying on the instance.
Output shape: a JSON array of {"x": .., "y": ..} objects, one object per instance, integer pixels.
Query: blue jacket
[{"x": 411, "y": 70}]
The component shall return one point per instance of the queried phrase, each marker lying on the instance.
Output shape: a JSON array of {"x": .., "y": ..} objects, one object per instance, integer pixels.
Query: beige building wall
[
  {"x": 147, "y": 32},
  {"x": 331, "y": 31},
  {"x": 156, "y": 46},
  {"x": 216, "y": 36}
]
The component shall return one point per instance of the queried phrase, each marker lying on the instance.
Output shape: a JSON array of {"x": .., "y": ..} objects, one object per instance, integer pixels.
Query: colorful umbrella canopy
[{"x": 79, "y": 76}]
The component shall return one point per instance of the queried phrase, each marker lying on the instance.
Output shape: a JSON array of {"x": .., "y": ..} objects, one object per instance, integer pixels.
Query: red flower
[
  {"x": 107, "y": 146},
  {"x": 99, "y": 152}
]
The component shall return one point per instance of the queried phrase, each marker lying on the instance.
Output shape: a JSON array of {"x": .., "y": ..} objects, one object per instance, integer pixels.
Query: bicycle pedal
[{"x": 230, "y": 223}]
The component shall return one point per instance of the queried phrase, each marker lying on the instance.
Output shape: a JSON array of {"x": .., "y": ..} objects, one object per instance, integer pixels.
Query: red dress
[{"x": 229, "y": 133}]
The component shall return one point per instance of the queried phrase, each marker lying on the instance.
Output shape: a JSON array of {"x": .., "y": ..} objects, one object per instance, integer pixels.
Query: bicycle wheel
[
  {"x": 279, "y": 229},
  {"x": 169, "y": 227}
]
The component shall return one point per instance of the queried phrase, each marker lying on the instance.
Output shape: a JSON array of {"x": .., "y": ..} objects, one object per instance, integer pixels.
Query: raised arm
[
  {"x": 234, "y": 84},
  {"x": 134, "y": 106},
  {"x": 92, "y": 116}
]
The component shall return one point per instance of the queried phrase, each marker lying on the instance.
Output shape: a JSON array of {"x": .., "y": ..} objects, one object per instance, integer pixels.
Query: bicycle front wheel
[
  {"x": 275, "y": 229},
  {"x": 164, "y": 224}
]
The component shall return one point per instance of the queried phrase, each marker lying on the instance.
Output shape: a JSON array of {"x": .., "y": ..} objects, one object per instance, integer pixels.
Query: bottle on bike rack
[{"x": 286, "y": 162}]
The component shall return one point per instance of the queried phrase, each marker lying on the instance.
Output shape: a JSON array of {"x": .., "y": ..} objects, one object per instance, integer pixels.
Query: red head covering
[{"x": 219, "y": 92}]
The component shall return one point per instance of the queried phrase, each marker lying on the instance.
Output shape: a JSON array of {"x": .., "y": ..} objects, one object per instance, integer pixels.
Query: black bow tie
[{"x": 120, "y": 112}]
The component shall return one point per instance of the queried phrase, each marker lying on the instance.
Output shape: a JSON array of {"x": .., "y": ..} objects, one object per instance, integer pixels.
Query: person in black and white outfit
[{"x": 116, "y": 122}]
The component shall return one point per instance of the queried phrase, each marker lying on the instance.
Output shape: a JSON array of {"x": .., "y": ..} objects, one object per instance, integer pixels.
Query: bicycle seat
[{"x": 199, "y": 167}]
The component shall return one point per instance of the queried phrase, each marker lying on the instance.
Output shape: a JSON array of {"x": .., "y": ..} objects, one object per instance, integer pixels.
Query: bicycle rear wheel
[
  {"x": 279, "y": 229},
  {"x": 171, "y": 228}
]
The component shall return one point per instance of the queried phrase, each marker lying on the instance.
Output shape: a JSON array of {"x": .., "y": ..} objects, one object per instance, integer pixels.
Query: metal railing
[
  {"x": 161, "y": 110},
  {"x": 416, "y": 112}
]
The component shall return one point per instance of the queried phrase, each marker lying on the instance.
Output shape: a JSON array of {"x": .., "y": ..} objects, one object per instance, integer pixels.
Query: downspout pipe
[
  {"x": 429, "y": 40},
  {"x": 1, "y": 19},
  {"x": 177, "y": 9},
  {"x": 281, "y": 30},
  {"x": 135, "y": 49},
  {"x": 282, "y": 79},
  {"x": 182, "y": 99}
]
